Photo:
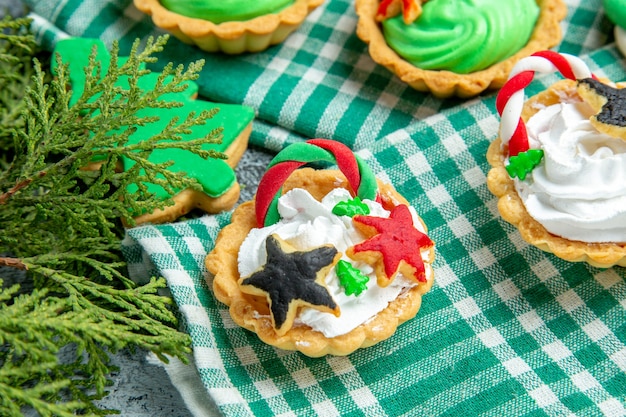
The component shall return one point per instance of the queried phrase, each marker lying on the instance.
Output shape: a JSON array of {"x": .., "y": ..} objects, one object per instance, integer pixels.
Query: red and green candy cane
[
  {"x": 510, "y": 102},
  {"x": 360, "y": 177}
]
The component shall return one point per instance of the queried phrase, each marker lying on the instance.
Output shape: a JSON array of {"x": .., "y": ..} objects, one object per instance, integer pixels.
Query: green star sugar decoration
[{"x": 214, "y": 175}]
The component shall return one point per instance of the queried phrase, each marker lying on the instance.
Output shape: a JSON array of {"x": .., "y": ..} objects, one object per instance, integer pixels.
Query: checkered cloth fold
[{"x": 506, "y": 330}]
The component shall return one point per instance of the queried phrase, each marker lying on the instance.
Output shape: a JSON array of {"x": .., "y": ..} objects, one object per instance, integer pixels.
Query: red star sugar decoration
[{"x": 393, "y": 245}]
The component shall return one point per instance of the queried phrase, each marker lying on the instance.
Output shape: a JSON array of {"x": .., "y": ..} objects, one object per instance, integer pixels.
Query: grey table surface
[{"x": 141, "y": 388}]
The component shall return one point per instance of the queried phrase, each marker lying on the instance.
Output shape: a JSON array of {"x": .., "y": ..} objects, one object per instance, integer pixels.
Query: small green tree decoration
[
  {"x": 62, "y": 224},
  {"x": 351, "y": 278},
  {"x": 523, "y": 163}
]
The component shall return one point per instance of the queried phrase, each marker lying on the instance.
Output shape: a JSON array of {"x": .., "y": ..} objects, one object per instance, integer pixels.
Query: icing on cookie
[
  {"x": 225, "y": 10},
  {"x": 462, "y": 36},
  {"x": 609, "y": 104},
  {"x": 215, "y": 176},
  {"x": 291, "y": 279}
]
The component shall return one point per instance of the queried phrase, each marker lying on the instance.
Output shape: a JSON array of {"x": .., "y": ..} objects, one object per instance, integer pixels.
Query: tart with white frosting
[
  {"x": 326, "y": 261},
  {"x": 559, "y": 164}
]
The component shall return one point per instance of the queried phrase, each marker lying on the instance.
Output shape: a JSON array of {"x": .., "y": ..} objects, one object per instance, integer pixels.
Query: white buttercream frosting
[
  {"x": 307, "y": 223},
  {"x": 579, "y": 190}
]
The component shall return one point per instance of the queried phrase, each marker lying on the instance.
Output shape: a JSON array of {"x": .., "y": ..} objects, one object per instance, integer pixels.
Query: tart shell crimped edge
[
  {"x": 512, "y": 209},
  {"x": 252, "y": 35},
  {"x": 443, "y": 84},
  {"x": 252, "y": 313}
]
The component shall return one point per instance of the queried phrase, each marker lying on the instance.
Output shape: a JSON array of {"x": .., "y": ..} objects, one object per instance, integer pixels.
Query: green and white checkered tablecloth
[{"x": 506, "y": 329}]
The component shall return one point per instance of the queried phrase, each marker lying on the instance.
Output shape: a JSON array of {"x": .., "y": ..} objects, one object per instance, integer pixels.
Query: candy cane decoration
[
  {"x": 360, "y": 177},
  {"x": 510, "y": 102}
]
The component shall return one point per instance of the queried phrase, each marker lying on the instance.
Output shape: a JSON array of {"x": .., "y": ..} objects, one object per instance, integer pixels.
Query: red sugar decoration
[
  {"x": 383, "y": 7},
  {"x": 397, "y": 240}
]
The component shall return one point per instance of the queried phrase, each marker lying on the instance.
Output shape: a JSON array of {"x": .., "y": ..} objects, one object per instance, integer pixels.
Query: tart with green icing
[
  {"x": 229, "y": 26},
  {"x": 457, "y": 47}
]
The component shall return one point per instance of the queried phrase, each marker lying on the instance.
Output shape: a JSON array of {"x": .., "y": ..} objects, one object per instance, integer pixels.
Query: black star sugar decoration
[
  {"x": 291, "y": 279},
  {"x": 609, "y": 104}
]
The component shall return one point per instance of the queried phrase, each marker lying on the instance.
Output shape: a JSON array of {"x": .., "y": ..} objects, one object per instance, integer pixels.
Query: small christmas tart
[
  {"x": 559, "y": 164},
  {"x": 322, "y": 261},
  {"x": 229, "y": 26},
  {"x": 456, "y": 47}
]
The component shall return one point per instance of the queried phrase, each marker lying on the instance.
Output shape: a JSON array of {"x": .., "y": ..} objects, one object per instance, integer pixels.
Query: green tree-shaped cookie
[{"x": 224, "y": 122}]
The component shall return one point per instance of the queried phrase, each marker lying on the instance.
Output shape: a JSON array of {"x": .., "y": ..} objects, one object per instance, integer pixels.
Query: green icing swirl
[
  {"x": 225, "y": 10},
  {"x": 463, "y": 36}
]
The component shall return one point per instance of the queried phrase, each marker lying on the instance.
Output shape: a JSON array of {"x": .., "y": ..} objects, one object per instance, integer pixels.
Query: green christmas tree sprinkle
[
  {"x": 351, "y": 208},
  {"x": 524, "y": 162},
  {"x": 351, "y": 279}
]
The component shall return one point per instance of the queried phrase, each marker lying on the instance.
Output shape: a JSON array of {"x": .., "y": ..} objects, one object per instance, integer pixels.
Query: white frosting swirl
[
  {"x": 307, "y": 223},
  {"x": 579, "y": 190}
]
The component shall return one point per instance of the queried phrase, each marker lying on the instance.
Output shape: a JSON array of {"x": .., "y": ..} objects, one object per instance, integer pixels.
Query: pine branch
[
  {"x": 17, "y": 49},
  {"x": 31, "y": 375},
  {"x": 12, "y": 262},
  {"x": 63, "y": 203}
]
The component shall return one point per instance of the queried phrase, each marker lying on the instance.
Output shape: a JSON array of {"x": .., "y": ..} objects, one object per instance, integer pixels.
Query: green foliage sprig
[
  {"x": 62, "y": 224},
  {"x": 16, "y": 53}
]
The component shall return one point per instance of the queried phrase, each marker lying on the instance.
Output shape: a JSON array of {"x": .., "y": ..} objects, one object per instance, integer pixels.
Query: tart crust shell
[{"x": 235, "y": 37}]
